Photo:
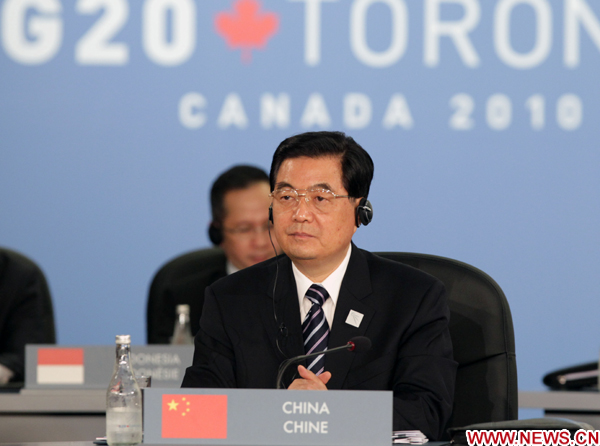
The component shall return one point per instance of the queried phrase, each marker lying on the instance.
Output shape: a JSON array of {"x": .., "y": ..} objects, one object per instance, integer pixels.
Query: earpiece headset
[
  {"x": 215, "y": 234},
  {"x": 364, "y": 212}
]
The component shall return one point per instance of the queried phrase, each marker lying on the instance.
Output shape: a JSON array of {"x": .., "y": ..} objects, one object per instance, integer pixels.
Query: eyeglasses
[
  {"x": 320, "y": 199},
  {"x": 248, "y": 231}
]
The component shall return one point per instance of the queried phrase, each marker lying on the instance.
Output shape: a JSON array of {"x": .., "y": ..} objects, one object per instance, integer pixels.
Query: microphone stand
[{"x": 285, "y": 364}]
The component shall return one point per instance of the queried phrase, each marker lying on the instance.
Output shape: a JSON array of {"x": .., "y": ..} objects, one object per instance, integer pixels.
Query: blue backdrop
[{"x": 481, "y": 116}]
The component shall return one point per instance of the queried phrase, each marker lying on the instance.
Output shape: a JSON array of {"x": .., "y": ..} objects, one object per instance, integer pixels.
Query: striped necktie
[{"x": 315, "y": 328}]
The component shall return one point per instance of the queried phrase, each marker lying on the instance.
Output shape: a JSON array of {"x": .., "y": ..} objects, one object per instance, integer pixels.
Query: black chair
[
  {"x": 26, "y": 313},
  {"x": 483, "y": 339},
  {"x": 161, "y": 305}
]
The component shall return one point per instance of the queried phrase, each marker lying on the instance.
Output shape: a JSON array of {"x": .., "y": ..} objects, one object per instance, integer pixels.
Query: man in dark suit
[
  {"x": 239, "y": 204},
  {"x": 26, "y": 315},
  {"x": 323, "y": 292}
]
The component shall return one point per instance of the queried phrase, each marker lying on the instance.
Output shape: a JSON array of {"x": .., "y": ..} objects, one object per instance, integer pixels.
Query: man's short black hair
[
  {"x": 238, "y": 177},
  {"x": 357, "y": 165}
]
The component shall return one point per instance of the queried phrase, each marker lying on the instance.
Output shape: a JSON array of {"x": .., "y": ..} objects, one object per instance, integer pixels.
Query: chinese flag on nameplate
[{"x": 194, "y": 416}]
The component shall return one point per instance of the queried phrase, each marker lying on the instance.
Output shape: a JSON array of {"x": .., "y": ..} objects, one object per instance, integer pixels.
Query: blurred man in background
[
  {"x": 26, "y": 315},
  {"x": 240, "y": 202}
]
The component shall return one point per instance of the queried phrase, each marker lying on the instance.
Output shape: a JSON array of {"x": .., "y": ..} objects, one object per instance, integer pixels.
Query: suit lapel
[{"x": 356, "y": 285}]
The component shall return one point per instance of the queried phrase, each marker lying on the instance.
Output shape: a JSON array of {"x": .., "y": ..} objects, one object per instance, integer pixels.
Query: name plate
[
  {"x": 91, "y": 367},
  {"x": 267, "y": 417}
]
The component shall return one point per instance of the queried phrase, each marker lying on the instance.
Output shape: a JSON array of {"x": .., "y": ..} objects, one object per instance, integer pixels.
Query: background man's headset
[{"x": 215, "y": 234}]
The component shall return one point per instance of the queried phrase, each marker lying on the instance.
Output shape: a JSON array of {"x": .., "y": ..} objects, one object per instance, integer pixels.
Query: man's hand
[{"x": 309, "y": 380}]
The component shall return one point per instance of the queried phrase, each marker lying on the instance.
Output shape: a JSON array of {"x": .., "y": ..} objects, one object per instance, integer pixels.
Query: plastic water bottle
[
  {"x": 123, "y": 400},
  {"x": 182, "y": 333}
]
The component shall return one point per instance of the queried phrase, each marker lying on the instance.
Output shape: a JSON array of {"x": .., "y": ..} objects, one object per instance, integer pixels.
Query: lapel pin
[{"x": 354, "y": 318}]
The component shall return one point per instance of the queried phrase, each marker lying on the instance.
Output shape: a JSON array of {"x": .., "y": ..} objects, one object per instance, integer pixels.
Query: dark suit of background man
[
  {"x": 26, "y": 315},
  {"x": 320, "y": 182},
  {"x": 240, "y": 208}
]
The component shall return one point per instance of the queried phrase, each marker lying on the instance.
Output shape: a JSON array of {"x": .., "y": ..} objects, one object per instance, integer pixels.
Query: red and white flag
[
  {"x": 194, "y": 416},
  {"x": 60, "y": 366}
]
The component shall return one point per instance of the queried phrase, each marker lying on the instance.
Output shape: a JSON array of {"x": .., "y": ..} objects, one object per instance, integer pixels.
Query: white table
[{"x": 52, "y": 415}]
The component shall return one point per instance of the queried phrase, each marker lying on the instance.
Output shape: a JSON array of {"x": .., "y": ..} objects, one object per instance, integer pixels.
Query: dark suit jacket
[
  {"x": 187, "y": 290},
  {"x": 26, "y": 315},
  {"x": 405, "y": 316}
]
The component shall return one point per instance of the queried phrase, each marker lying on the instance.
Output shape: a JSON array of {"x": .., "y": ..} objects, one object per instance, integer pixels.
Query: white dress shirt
[
  {"x": 332, "y": 284},
  {"x": 5, "y": 374},
  {"x": 230, "y": 268}
]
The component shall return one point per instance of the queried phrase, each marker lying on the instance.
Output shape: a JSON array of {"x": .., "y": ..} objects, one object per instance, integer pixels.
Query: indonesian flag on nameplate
[
  {"x": 194, "y": 416},
  {"x": 60, "y": 366}
]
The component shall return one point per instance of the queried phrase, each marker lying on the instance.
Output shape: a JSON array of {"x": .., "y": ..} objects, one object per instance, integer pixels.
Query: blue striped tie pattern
[{"x": 315, "y": 328}]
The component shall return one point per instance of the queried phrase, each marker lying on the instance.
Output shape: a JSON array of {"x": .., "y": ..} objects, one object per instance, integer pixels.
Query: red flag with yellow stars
[{"x": 194, "y": 416}]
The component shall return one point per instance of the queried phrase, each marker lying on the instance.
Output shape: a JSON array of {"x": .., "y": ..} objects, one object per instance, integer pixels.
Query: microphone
[
  {"x": 283, "y": 331},
  {"x": 357, "y": 344}
]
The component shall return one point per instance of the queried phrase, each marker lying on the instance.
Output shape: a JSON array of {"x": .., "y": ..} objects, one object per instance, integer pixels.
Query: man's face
[
  {"x": 304, "y": 233},
  {"x": 245, "y": 237}
]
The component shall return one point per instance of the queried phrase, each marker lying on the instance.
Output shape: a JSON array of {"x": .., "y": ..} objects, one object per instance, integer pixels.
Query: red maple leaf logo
[{"x": 246, "y": 28}]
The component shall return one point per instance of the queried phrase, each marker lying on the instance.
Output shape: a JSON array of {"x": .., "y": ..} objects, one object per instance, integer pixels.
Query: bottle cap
[
  {"x": 123, "y": 339},
  {"x": 183, "y": 308}
]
